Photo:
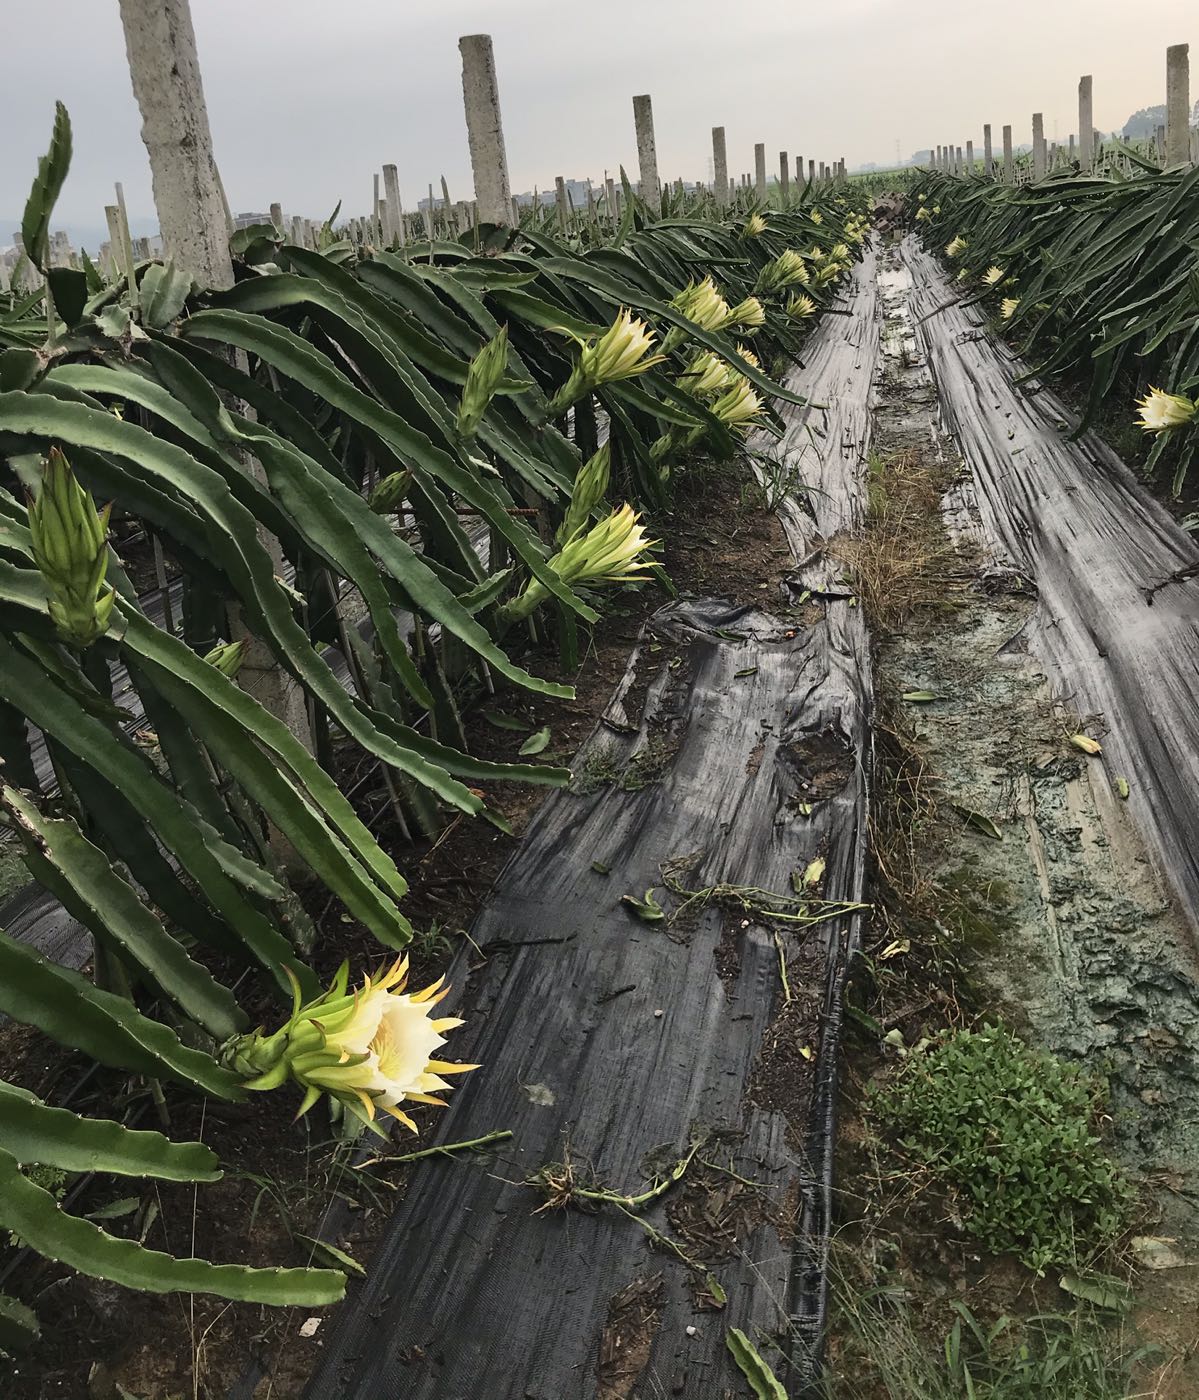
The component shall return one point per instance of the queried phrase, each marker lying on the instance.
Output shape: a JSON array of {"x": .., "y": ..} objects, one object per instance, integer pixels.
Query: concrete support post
[
  {"x": 811, "y": 172},
  {"x": 1009, "y": 168},
  {"x": 277, "y": 216},
  {"x": 969, "y": 157},
  {"x": 1086, "y": 123},
  {"x": 1178, "y": 104},
  {"x": 760, "y": 169},
  {"x": 720, "y": 167},
  {"x": 161, "y": 45},
  {"x": 1071, "y": 155},
  {"x": 1038, "y": 146},
  {"x": 799, "y": 170},
  {"x": 784, "y": 175},
  {"x": 391, "y": 204},
  {"x": 165, "y": 70},
  {"x": 560, "y": 200},
  {"x": 647, "y": 152},
  {"x": 485, "y": 129},
  {"x": 988, "y": 153}
]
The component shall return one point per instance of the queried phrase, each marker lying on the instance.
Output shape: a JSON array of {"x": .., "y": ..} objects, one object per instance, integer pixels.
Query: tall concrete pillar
[
  {"x": 1086, "y": 123},
  {"x": 760, "y": 169},
  {"x": 784, "y": 174},
  {"x": 988, "y": 153},
  {"x": 1178, "y": 104},
  {"x": 720, "y": 167},
  {"x": 560, "y": 201},
  {"x": 485, "y": 129},
  {"x": 1009, "y": 166},
  {"x": 165, "y": 70},
  {"x": 811, "y": 171},
  {"x": 392, "y": 205},
  {"x": 277, "y": 216},
  {"x": 969, "y": 157},
  {"x": 1038, "y": 146},
  {"x": 799, "y": 170},
  {"x": 1070, "y": 152},
  {"x": 647, "y": 152}
]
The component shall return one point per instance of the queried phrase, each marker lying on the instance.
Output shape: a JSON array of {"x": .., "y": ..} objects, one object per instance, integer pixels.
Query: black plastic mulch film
[
  {"x": 1114, "y": 628},
  {"x": 612, "y": 1043}
]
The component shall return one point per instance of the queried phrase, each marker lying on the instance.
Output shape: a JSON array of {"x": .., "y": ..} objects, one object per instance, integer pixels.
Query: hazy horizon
[{"x": 305, "y": 107}]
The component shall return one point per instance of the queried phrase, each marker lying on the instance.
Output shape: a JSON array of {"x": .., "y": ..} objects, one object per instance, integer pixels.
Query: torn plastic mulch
[{"x": 731, "y": 761}]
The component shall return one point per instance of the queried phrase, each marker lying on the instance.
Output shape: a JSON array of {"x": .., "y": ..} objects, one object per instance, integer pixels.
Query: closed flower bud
[
  {"x": 622, "y": 352},
  {"x": 749, "y": 313},
  {"x": 589, "y": 488},
  {"x": 70, "y": 548},
  {"x": 227, "y": 657},
  {"x": 389, "y": 494},
  {"x": 784, "y": 271},
  {"x": 482, "y": 379},
  {"x": 740, "y": 406},
  {"x": 609, "y": 552}
]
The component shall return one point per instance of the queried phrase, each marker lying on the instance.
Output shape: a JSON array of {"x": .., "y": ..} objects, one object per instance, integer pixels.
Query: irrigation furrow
[{"x": 732, "y": 756}]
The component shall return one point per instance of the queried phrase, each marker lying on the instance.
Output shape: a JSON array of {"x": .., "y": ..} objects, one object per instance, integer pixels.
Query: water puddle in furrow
[{"x": 1078, "y": 945}]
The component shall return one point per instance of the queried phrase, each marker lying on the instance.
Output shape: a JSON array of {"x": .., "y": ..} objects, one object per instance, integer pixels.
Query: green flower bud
[
  {"x": 482, "y": 379},
  {"x": 70, "y": 547}
]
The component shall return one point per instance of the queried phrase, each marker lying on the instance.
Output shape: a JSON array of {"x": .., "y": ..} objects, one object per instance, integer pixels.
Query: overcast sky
[{"x": 308, "y": 97}]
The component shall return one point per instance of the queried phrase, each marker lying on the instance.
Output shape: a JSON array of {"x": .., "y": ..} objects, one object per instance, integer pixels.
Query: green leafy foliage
[
  {"x": 1008, "y": 1131},
  {"x": 245, "y": 432}
]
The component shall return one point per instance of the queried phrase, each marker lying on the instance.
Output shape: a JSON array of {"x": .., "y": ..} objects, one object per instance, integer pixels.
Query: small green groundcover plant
[{"x": 1008, "y": 1130}]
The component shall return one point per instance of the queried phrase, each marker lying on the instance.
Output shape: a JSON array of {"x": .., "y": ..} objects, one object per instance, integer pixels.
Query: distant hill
[{"x": 1145, "y": 122}]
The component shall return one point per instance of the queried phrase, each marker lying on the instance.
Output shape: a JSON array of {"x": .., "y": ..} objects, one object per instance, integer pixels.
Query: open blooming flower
[
  {"x": 610, "y": 552},
  {"x": 755, "y": 226},
  {"x": 801, "y": 307},
  {"x": 1007, "y": 308},
  {"x": 993, "y": 276},
  {"x": 749, "y": 313},
  {"x": 623, "y": 351},
  {"x": 369, "y": 1050},
  {"x": 955, "y": 246},
  {"x": 1161, "y": 411},
  {"x": 740, "y": 406}
]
